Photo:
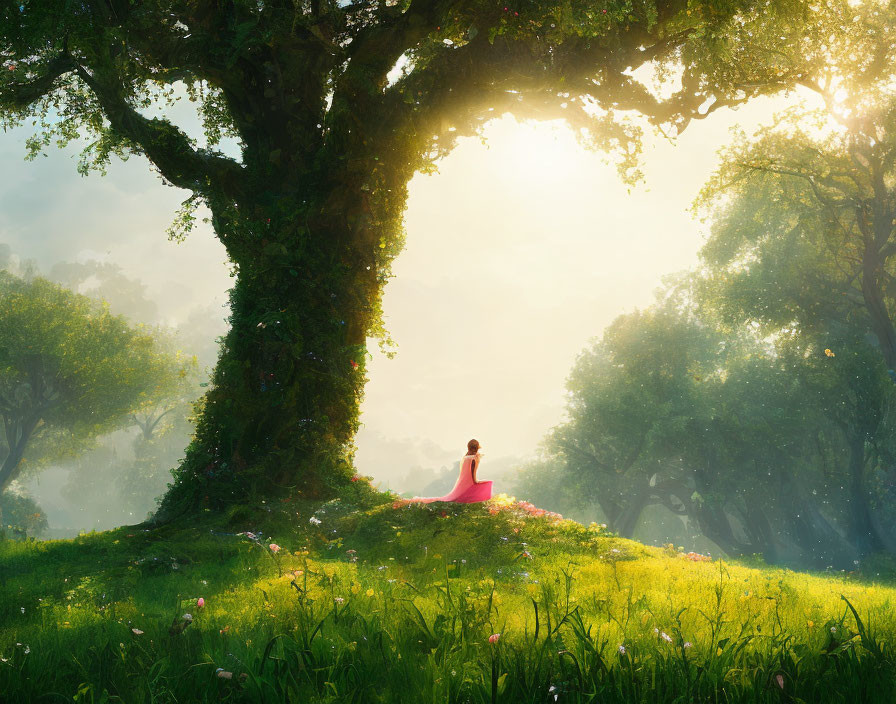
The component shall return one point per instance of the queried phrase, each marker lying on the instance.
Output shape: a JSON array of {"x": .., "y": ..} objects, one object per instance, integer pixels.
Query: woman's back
[{"x": 466, "y": 489}]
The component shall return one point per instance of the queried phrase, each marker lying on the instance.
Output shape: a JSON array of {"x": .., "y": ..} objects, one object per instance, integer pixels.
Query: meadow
[{"x": 369, "y": 599}]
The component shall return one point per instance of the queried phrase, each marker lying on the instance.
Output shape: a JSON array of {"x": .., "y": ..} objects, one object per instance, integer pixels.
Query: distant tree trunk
[
  {"x": 876, "y": 233},
  {"x": 861, "y": 531},
  {"x": 819, "y": 541},
  {"x": 18, "y": 433},
  {"x": 627, "y": 519}
]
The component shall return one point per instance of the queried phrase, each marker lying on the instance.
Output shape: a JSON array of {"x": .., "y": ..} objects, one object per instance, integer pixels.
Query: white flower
[
  {"x": 314, "y": 521},
  {"x": 833, "y": 629},
  {"x": 622, "y": 650},
  {"x": 23, "y": 609},
  {"x": 188, "y": 617},
  {"x": 338, "y": 599},
  {"x": 136, "y": 631},
  {"x": 687, "y": 644},
  {"x": 27, "y": 649},
  {"x": 665, "y": 637}
]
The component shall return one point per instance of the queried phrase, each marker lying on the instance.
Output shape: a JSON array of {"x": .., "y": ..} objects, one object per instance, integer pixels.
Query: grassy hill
[{"x": 369, "y": 599}]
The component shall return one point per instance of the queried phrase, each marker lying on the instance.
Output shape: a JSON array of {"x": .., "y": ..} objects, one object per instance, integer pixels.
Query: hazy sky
[{"x": 518, "y": 253}]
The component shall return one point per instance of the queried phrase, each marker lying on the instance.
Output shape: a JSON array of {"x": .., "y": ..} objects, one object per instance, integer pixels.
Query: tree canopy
[{"x": 69, "y": 371}]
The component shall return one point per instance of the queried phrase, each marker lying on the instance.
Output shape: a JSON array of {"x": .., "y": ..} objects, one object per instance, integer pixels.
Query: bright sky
[{"x": 517, "y": 254}]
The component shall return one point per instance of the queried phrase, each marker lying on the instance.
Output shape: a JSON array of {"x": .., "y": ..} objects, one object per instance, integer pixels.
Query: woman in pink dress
[{"x": 466, "y": 490}]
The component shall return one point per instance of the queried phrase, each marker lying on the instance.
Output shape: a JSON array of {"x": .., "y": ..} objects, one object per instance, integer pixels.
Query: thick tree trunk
[{"x": 283, "y": 408}]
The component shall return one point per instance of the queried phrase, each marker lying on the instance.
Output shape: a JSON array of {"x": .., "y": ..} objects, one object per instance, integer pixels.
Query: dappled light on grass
[{"x": 437, "y": 602}]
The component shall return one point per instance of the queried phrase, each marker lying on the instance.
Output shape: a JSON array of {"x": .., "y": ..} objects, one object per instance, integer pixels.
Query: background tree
[
  {"x": 68, "y": 368},
  {"x": 311, "y": 214},
  {"x": 764, "y": 443},
  {"x": 809, "y": 203}
]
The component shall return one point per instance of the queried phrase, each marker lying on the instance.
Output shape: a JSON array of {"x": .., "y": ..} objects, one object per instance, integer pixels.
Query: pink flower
[
  {"x": 275, "y": 547},
  {"x": 200, "y": 602},
  {"x": 493, "y": 638}
]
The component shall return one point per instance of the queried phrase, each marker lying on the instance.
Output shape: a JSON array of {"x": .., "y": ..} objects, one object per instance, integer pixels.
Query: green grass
[{"x": 408, "y": 615}]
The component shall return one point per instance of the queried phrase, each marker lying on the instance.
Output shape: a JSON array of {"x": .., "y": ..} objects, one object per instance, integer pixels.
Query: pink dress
[{"x": 464, "y": 491}]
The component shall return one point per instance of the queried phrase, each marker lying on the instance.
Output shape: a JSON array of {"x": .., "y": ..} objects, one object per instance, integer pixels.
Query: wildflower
[
  {"x": 370, "y": 592},
  {"x": 665, "y": 637},
  {"x": 205, "y": 582},
  {"x": 622, "y": 650},
  {"x": 833, "y": 629},
  {"x": 200, "y": 602},
  {"x": 616, "y": 550},
  {"x": 493, "y": 638},
  {"x": 251, "y": 536},
  {"x": 687, "y": 644},
  {"x": 187, "y": 617},
  {"x": 136, "y": 631},
  {"x": 338, "y": 599},
  {"x": 314, "y": 521},
  {"x": 27, "y": 649},
  {"x": 23, "y": 609},
  {"x": 274, "y": 547},
  {"x": 810, "y": 624}
]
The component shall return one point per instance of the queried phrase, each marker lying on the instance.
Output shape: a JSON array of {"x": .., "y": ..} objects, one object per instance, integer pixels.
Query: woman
[{"x": 466, "y": 490}]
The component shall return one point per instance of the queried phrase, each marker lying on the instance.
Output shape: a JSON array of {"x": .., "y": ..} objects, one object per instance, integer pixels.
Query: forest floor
[{"x": 368, "y": 599}]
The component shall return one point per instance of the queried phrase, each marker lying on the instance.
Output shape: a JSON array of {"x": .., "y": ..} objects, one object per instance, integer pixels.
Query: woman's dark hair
[{"x": 472, "y": 447}]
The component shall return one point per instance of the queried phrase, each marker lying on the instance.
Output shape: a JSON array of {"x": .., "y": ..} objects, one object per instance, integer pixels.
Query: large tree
[
  {"x": 311, "y": 214},
  {"x": 69, "y": 371},
  {"x": 810, "y": 202}
]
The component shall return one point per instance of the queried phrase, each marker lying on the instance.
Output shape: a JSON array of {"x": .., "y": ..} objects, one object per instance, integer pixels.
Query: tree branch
[
  {"x": 165, "y": 145},
  {"x": 19, "y": 95}
]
